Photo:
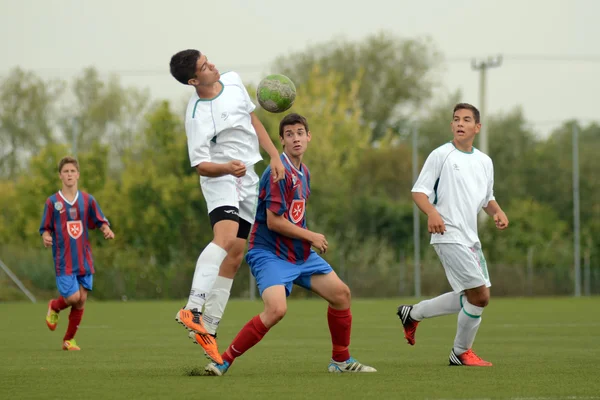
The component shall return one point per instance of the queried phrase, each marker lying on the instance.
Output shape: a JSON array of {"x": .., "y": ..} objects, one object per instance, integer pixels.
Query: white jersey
[
  {"x": 220, "y": 129},
  {"x": 459, "y": 185}
]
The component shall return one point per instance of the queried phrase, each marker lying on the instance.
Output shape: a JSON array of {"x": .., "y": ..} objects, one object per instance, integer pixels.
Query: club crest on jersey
[
  {"x": 73, "y": 213},
  {"x": 294, "y": 180},
  {"x": 58, "y": 206},
  {"x": 297, "y": 211},
  {"x": 75, "y": 229}
]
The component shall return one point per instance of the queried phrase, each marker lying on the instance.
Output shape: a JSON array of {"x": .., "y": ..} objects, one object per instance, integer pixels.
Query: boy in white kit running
[
  {"x": 456, "y": 182},
  {"x": 223, "y": 136}
]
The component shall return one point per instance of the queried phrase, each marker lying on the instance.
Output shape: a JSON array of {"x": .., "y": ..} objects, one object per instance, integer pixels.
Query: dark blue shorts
[
  {"x": 270, "y": 270},
  {"x": 69, "y": 284}
]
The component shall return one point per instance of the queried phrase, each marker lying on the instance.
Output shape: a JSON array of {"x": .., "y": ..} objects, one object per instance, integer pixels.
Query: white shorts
[
  {"x": 465, "y": 266},
  {"x": 228, "y": 190}
]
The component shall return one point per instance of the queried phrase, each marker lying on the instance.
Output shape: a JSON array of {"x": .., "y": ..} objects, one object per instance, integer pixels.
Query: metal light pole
[
  {"x": 576, "y": 221},
  {"x": 416, "y": 228},
  {"x": 482, "y": 67}
]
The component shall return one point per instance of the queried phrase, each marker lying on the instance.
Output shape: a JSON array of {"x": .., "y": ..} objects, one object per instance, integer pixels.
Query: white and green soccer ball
[{"x": 276, "y": 93}]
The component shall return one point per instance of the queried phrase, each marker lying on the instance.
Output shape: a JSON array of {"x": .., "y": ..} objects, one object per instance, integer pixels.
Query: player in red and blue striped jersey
[
  {"x": 288, "y": 198},
  {"x": 280, "y": 256},
  {"x": 68, "y": 214}
]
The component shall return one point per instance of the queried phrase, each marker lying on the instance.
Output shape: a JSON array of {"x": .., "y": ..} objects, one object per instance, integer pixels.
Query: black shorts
[{"x": 230, "y": 213}]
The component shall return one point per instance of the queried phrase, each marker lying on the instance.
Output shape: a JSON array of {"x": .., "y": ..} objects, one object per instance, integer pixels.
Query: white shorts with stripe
[
  {"x": 228, "y": 190},
  {"x": 465, "y": 266}
]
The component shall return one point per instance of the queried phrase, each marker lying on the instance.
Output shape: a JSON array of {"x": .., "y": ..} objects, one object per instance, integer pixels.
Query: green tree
[
  {"x": 396, "y": 74},
  {"x": 27, "y": 107},
  {"x": 338, "y": 141},
  {"x": 513, "y": 147},
  {"x": 104, "y": 111}
]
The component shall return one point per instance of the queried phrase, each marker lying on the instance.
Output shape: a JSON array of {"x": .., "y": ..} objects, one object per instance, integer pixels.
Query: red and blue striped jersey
[
  {"x": 288, "y": 198},
  {"x": 68, "y": 223}
]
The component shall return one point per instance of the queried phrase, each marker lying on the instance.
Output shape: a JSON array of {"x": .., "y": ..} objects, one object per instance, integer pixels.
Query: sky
[{"x": 551, "y": 55}]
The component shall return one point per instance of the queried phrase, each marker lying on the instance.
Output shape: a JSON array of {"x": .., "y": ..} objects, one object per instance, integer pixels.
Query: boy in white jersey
[
  {"x": 456, "y": 182},
  {"x": 223, "y": 136}
]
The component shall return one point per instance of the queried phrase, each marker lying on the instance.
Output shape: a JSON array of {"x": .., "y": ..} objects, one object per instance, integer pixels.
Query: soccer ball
[{"x": 276, "y": 93}]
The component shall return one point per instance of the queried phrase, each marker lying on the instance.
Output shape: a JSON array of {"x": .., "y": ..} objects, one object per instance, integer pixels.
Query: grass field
[{"x": 541, "y": 349}]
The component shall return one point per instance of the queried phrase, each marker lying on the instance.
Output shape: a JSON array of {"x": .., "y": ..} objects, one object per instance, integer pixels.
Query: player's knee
[
  {"x": 236, "y": 259},
  {"x": 482, "y": 300},
  {"x": 231, "y": 264},
  {"x": 224, "y": 241},
  {"x": 274, "y": 314},
  {"x": 73, "y": 299},
  {"x": 80, "y": 303},
  {"x": 342, "y": 296}
]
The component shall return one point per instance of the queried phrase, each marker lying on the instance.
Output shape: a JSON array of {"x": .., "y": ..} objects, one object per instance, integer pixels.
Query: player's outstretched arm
[
  {"x": 277, "y": 168},
  {"x": 281, "y": 225},
  {"x": 493, "y": 210}
]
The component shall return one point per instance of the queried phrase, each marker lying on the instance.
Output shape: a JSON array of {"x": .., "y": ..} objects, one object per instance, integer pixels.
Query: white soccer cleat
[{"x": 350, "y": 365}]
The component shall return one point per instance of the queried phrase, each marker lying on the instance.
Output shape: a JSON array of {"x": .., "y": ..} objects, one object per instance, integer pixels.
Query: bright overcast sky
[{"x": 58, "y": 38}]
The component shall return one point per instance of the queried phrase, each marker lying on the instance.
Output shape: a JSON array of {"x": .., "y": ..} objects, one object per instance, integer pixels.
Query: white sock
[
  {"x": 215, "y": 303},
  {"x": 447, "y": 303},
  {"x": 469, "y": 320},
  {"x": 207, "y": 269}
]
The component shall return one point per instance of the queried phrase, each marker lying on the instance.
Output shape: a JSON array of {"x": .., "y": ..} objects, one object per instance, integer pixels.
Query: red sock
[
  {"x": 74, "y": 321},
  {"x": 59, "y": 304},
  {"x": 340, "y": 325},
  {"x": 251, "y": 333}
]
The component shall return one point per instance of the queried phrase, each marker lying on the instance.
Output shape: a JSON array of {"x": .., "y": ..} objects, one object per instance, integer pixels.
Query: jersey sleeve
[
  {"x": 250, "y": 106},
  {"x": 47, "y": 220},
  {"x": 429, "y": 175},
  {"x": 490, "y": 188},
  {"x": 95, "y": 216},
  {"x": 307, "y": 181},
  {"x": 275, "y": 194},
  {"x": 198, "y": 142}
]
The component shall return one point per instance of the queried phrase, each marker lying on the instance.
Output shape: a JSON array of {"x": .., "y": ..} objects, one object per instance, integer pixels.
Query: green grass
[{"x": 541, "y": 348}]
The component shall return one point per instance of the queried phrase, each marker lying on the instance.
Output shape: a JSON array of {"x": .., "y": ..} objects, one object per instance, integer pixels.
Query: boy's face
[
  {"x": 206, "y": 73},
  {"x": 464, "y": 126},
  {"x": 295, "y": 139},
  {"x": 69, "y": 175}
]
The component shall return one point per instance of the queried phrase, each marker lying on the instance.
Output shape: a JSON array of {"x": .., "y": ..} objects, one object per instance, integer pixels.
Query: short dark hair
[
  {"x": 183, "y": 65},
  {"x": 292, "y": 119},
  {"x": 467, "y": 106},
  {"x": 67, "y": 160}
]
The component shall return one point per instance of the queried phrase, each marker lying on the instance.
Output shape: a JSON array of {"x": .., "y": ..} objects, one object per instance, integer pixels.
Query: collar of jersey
[
  {"x": 67, "y": 201},
  {"x": 292, "y": 165},
  {"x": 212, "y": 98},
  {"x": 465, "y": 152}
]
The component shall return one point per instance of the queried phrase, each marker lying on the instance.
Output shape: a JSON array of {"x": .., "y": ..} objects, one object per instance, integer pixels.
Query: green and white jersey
[
  {"x": 220, "y": 129},
  {"x": 459, "y": 185}
]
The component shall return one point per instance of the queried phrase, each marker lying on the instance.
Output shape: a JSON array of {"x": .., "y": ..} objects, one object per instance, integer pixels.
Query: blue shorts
[
  {"x": 69, "y": 284},
  {"x": 270, "y": 270}
]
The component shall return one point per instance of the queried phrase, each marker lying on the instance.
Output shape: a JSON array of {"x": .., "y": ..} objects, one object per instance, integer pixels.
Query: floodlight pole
[
  {"x": 416, "y": 226},
  {"x": 576, "y": 220},
  {"x": 482, "y": 67}
]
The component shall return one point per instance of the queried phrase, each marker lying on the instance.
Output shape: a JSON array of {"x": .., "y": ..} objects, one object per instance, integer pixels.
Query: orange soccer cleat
[
  {"x": 191, "y": 320},
  {"x": 468, "y": 359},
  {"x": 51, "y": 317},
  {"x": 209, "y": 345},
  {"x": 409, "y": 324},
  {"x": 70, "y": 345}
]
